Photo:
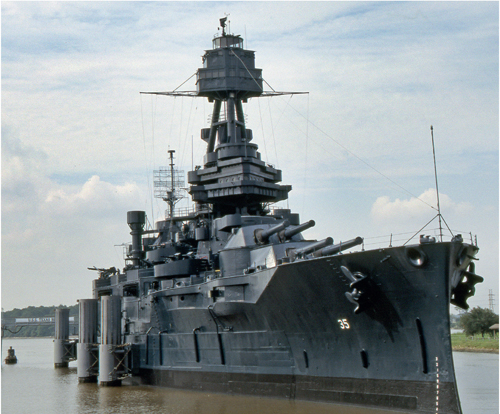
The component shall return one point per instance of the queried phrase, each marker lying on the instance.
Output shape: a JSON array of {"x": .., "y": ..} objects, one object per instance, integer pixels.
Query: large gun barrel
[
  {"x": 288, "y": 233},
  {"x": 329, "y": 250},
  {"x": 293, "y": 253},
  {"x": 262, "y": 236}
]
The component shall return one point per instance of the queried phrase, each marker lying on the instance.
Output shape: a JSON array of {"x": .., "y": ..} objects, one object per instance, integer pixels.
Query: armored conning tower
[{"x": 234, "y": 179}]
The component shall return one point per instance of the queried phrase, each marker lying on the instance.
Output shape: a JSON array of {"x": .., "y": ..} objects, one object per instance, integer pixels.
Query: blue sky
[{"x": 79, "y": 142}]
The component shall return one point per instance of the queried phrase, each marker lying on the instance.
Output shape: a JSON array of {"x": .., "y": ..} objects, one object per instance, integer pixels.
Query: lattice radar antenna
[{"x": 169, "y": 184}]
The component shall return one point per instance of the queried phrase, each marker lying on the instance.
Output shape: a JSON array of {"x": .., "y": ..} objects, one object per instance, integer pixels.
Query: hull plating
[
  {"x": 411, "y": 396},
  {"x": 290, "y": 331}
]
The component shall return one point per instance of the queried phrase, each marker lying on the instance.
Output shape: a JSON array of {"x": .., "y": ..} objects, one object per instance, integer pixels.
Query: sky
[{"x": 80, "y": 143}]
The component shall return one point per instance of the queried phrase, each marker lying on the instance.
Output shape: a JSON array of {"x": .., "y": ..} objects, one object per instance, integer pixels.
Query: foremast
[{"x": 233, "y": 179}]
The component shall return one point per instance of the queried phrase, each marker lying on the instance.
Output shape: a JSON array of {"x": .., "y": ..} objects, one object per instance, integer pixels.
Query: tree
[
  {"x": 478, "y": 320},
  {"x": 35, "y": 312}
]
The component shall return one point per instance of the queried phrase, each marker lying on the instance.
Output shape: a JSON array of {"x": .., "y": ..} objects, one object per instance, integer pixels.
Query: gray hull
[{"x": 291, "y": 332}]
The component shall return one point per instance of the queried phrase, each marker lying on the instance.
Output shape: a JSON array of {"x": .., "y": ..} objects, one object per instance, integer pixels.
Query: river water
[{"x": 34, "y": 386}]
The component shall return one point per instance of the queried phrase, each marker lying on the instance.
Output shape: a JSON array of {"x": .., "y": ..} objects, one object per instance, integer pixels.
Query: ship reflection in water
[
  {"x": 164, "y": 400},
  {"x": 34, "y": 386},
  {"x": 168, "y": 400}
]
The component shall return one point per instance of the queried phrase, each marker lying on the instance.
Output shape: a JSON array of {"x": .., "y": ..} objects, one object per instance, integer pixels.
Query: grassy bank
[{"x": 461, "y": 342}]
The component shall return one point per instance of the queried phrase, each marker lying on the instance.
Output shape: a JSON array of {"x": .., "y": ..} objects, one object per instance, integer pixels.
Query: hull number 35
[{"x": 343, "y": 324}]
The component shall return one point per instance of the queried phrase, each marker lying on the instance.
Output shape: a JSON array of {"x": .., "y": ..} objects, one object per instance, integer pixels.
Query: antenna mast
[
  {"x": 168, "y": 183},
  {"x": 437, "y": 188}
]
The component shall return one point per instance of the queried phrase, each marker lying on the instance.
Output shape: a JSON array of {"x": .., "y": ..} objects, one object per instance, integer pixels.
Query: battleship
[{"x": 232, "y": 297}]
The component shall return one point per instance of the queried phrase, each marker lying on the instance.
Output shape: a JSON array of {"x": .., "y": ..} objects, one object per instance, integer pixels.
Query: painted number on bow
[{"x": 343, "y": 324}]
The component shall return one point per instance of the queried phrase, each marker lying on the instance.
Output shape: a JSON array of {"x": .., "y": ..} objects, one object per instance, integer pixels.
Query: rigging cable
[
  {"x": 151, "y": 168},
  {"x": 262, "y": 128},
  {"x": 359, "y": 158},
  {"x": 272, "y": 131},
  {"x": 250, "y": 73},
  {"x": 179, "y": 135},
  {"x": 120, "y": 259},
  {"x": 169, "y": 137},
  {"x": 183, "y": 152},
  {"x": 437, "y": 188},
  {"x": 305, "y": 159},
  {"x": 185, "y": 81},
  {"x": 146, "y": 158}
]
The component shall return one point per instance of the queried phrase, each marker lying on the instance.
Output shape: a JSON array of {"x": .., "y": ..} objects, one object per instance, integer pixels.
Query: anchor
[
  {"x": 465, "y": 288},
  {"x": 360, "y": 286}
]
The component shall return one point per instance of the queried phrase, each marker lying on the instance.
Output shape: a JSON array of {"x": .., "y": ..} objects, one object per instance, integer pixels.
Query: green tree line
[{"x": 35, "y": 312}]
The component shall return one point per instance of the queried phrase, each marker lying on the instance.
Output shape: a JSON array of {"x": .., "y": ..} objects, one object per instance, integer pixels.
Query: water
[
  {"x": 34, "y": 386},
  {"x": 477, "y": 378}
]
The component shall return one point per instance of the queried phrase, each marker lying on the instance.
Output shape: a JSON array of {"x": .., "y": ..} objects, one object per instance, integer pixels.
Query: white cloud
[
  {"x": 385, "y": 211},
  {"x": 94, "y": 197},
  {"x": 52, "y": 231},
  {"x": 379, "y": 74}
]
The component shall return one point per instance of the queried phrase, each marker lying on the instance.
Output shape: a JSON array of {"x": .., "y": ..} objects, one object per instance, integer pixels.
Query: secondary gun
[
  {"x": 105, "y": 273},
  {"x": 294, "y": 253},
  {"x": 262, "y": 236},
  {"x": 289, "y": 233},
  {"x": 336, "y": 248}
]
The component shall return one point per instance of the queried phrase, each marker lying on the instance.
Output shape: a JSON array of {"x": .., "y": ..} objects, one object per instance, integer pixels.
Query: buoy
[{"x": 11, "y": 356}]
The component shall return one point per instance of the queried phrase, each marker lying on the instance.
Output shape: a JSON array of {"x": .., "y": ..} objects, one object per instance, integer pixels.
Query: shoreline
[{"x": 475, "y": 350}]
